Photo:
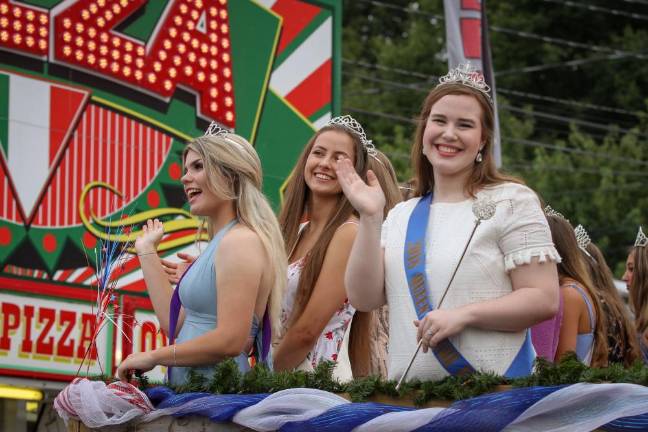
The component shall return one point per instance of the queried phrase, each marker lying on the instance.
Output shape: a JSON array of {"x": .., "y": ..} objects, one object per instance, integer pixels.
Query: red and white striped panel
[
  {"x": 107, "y": 147},
  {"x": 304, "y": 77},
  {"x": 8, "y": 205},
  {"x": 21, "y": 271}
]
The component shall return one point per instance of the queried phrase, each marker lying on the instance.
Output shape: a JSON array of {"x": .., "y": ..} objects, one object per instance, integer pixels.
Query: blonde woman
[{"x": 231, "y": 294}]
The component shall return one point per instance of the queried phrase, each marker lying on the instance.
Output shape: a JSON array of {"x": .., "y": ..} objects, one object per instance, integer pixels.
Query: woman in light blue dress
[{"x": 228, "y": 302}]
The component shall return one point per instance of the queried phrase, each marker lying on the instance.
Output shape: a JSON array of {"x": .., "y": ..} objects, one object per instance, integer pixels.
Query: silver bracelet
[
  {"x": 175, "y": 363},
  {"x": 147, "y": 253}
]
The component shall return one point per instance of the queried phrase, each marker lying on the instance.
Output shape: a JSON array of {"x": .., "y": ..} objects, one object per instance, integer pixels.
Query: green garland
[{"x": 227, "y": 379}]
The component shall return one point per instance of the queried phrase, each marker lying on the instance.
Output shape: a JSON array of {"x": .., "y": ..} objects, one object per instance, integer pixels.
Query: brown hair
[
  {"x": 639, "y": 289},
  {"x": 612, "y": 304},
  {"x": 384, "y": 170},
  {"x": 573, "y": 267},
  {"x": 484, "y": 173},
  {"x": 294, "y": 207}
]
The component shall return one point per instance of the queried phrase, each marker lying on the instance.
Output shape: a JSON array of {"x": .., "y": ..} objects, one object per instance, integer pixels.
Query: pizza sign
[{"x": 97, "y": 100}]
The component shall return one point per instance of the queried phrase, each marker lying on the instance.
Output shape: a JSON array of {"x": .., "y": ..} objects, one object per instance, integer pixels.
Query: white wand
[{"x": 483, "y": 209}]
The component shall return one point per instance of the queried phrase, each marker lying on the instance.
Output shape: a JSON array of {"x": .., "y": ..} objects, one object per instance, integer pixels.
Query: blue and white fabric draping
[{"x": 577, "y": 407}]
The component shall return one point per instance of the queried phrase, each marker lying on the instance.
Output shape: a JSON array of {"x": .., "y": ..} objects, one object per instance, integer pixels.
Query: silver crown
[
  {"x": 641, "y": 240},
  {"x": 214, "y": 129},
  {"x": 551, "y": 212},
  {"x": 466, "y": 75},
  {"x": 351, "y": 124},
  {"x": 583, "y": 239}
]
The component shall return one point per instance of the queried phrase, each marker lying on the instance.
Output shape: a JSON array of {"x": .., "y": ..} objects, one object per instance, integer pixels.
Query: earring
[{"x": 479, "y": 157}]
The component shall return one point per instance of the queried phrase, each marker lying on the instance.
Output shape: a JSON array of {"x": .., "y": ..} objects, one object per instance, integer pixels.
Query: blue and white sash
[{"x": 414, "y": 254}]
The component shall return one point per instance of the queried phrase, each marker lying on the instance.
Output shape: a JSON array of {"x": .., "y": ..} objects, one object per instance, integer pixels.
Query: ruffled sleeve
[{"x": 524, "y": 231}]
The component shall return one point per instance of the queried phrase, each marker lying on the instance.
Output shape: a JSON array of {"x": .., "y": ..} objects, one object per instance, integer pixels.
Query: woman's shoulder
[
  {"x": 506, "y": 190},
  {"x": 241, "y": 238},
  {"x": 346, "y": 231},
  {"x": 572, "y": 291},
  {"x": 403, "y": 207},
  {"x": 517, "y": 197}
]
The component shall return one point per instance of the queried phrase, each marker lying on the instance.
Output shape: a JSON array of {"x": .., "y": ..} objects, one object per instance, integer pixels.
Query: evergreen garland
[{"x": 228, "y": 380}]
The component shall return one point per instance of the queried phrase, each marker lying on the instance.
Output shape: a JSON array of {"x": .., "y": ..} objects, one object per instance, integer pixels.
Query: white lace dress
[{"x": 517, "y": 232}]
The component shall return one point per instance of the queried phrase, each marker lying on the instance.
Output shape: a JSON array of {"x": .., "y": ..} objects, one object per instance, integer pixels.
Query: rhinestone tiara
[
  {"x": 351, "y": 124},
  {"x": 641, "y": 240},
  {"x": 583, "y": 239},
  {"x": 214, "y": 129},
  {"x": 551, "y": 212},
  {"x": 465, "y": 74}
]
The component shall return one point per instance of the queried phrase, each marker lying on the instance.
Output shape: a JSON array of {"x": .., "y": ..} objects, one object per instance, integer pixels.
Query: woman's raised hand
[
  {"x": 367, "y": 199},
  {"x": 150, "y": 237}
]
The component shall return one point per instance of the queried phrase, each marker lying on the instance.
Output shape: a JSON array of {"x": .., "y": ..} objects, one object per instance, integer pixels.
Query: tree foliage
[{"x": 572, "y": 98}]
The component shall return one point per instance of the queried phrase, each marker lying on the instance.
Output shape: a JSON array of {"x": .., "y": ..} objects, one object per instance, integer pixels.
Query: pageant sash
[
  {"x": 174, "y": 313},
  {"x": 414, "y": 259}
]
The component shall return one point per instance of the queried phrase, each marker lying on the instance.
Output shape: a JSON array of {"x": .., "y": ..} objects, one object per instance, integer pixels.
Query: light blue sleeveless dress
[
  {"x": 585, "y": 341},
  {"x": 198, "y": 296}
]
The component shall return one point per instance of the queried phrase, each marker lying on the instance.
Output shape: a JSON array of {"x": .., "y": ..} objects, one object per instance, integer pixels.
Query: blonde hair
[
  {"x": 233, "y": 172},
  {"x": 484, "y": 173},
  {"x": 292, "y": 212}
]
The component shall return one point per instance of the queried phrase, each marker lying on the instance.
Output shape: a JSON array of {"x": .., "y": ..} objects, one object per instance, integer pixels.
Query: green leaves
[{"x": 227, "y": 379}]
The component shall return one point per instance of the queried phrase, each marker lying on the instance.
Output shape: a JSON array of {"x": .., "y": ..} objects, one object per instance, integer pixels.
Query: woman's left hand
[
  {"x": 142, "y": 362},
  {"x": 438, "y": 325}
]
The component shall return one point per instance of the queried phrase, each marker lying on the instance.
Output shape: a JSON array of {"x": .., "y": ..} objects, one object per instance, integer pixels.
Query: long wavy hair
[
  {"x": 573, "y": 267},
  {"x": 639, "y": 289},
  {"x": 233, "y": 171},
  {"x": 384, "y": 170},
  {"x": 612, "y": 303},
  {"x": 484, "y": 173},
  {"x": 295, "y": 206}
]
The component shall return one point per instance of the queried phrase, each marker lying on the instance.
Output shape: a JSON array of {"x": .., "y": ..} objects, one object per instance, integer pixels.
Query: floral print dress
[{"x": 329, "y": 344}]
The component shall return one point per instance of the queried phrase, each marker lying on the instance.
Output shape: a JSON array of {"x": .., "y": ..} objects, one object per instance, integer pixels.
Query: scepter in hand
[{"x": 483, "y": 209}]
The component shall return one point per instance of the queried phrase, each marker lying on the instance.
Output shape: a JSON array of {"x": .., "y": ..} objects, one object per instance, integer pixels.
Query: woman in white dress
[
  {"x": 507, "y": 280},
  {"x": 319, "y": 225}
]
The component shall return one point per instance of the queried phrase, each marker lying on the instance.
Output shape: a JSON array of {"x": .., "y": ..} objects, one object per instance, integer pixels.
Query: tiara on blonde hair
[
  {"x": 214, "y": 129},
  {"x": 466, "y": 75},
  {"x": 352, "y": 125},
  {"x": 641, "y": 240}
]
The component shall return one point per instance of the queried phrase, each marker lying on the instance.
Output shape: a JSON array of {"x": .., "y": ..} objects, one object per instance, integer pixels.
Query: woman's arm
[
  {"x": 156, "y": 279},
  {"x": 365, "y": 274},
  {"x": 239, "y": 261},
  {"x": 534, "y": 299},
  {"x": 327, "y": 297},
  {"x": 573, "y": 304}
]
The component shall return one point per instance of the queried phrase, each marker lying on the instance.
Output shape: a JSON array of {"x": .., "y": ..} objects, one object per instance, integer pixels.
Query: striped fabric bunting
[{"x": 577, "y": 407}]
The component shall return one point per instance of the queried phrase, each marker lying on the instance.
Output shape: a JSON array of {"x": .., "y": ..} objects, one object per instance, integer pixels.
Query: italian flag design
[{"x": 37, "y": 118}]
